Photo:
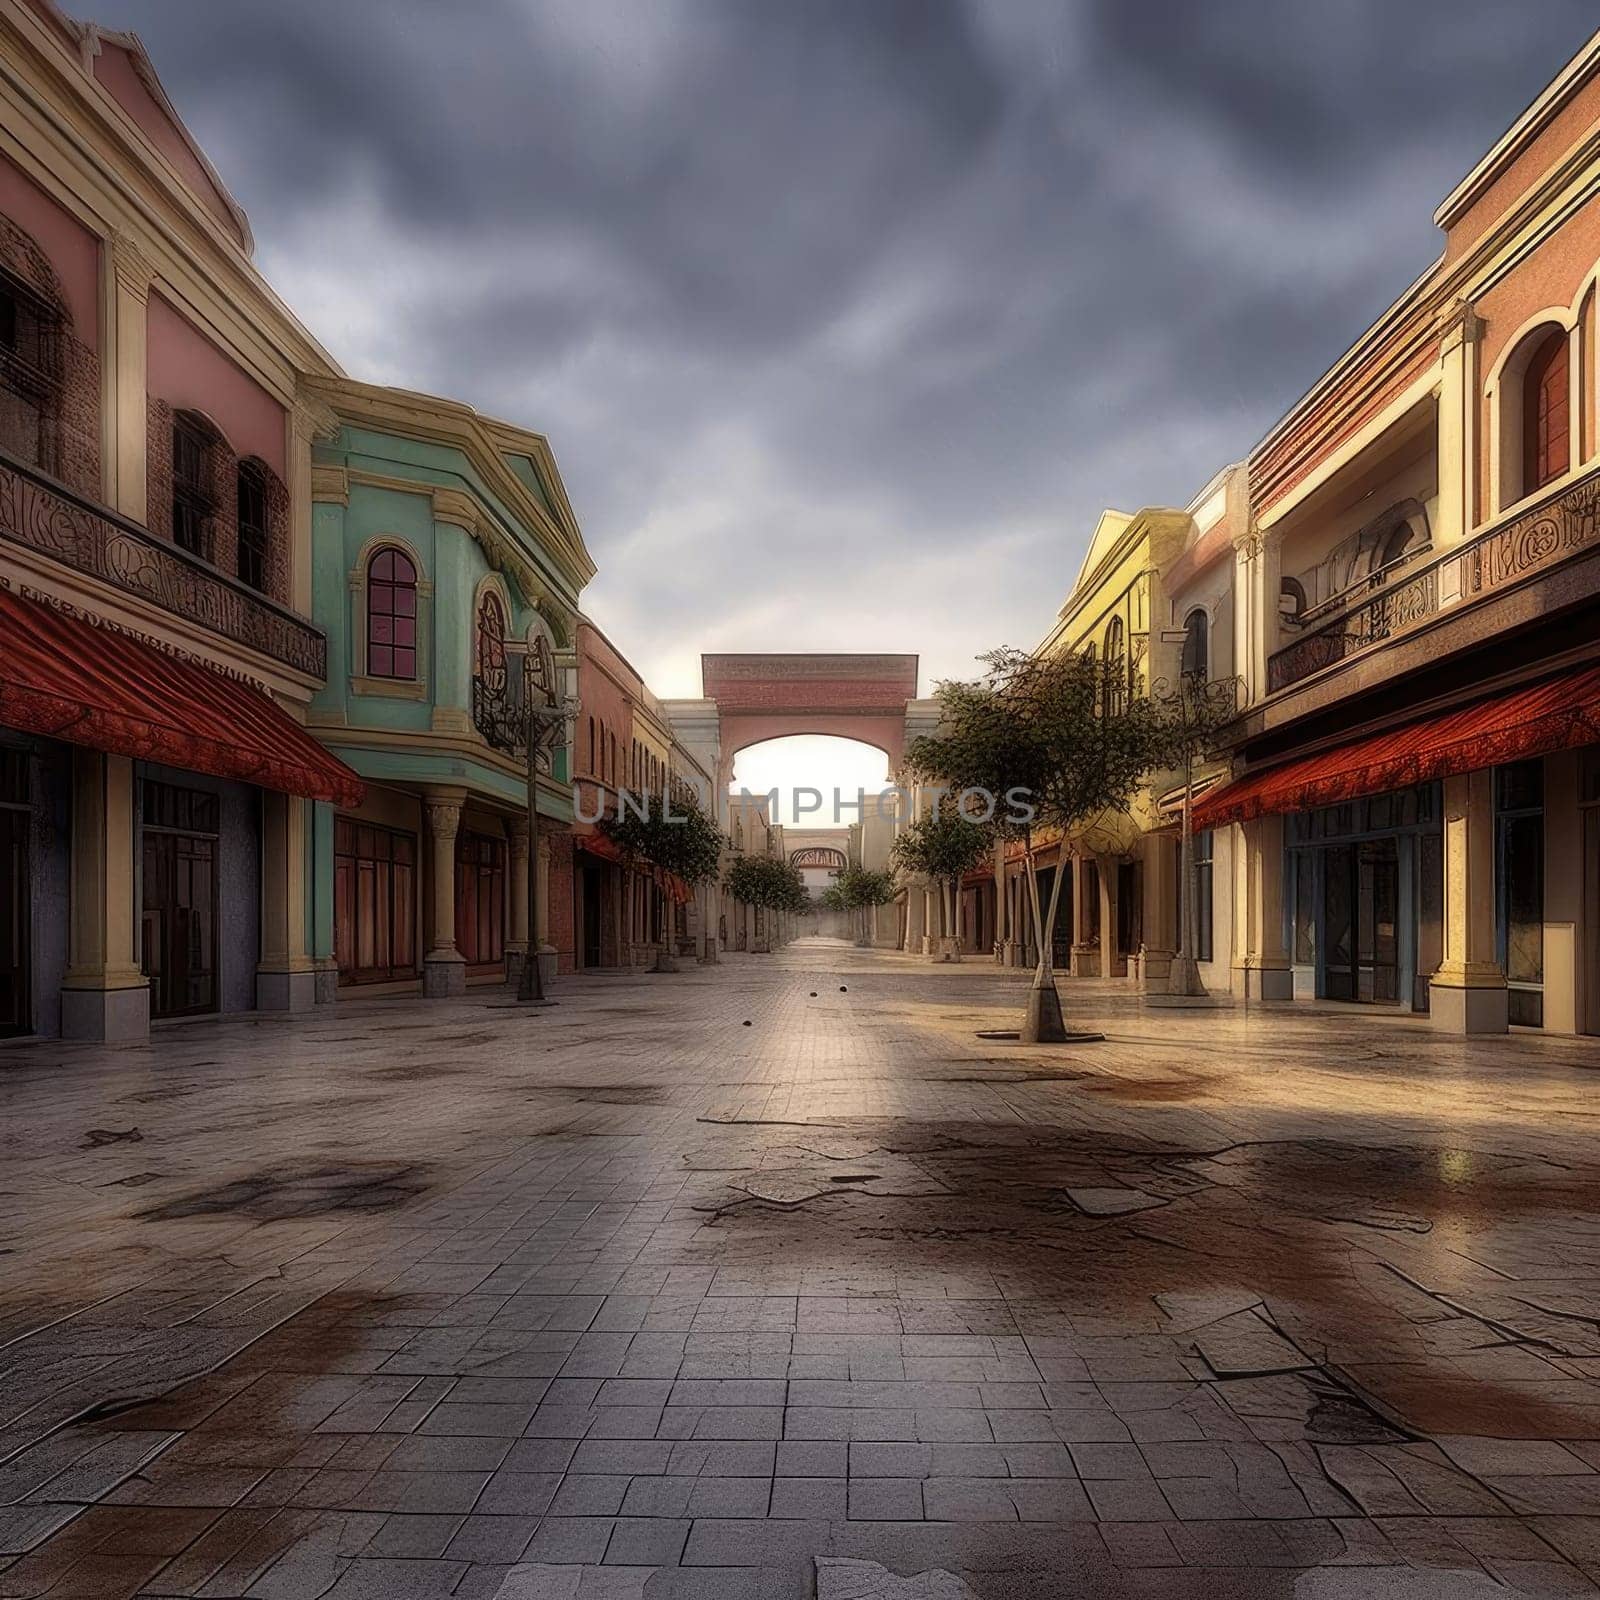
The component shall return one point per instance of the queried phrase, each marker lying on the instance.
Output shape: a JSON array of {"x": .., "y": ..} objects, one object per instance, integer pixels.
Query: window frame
[{"x": 396, "y": 585}]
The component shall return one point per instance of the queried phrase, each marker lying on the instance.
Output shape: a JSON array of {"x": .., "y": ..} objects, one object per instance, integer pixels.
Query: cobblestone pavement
[{"x": 774, "y": 1279}]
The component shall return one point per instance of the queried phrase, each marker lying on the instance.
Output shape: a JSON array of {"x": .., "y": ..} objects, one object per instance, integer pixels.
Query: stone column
[
  {"x": 105, "y": 995},
  {"x": 286, "y": 975},
  {"x": 932, "y": 919},
  {"x": 444, "y": 968},
  {"x": 323, "y": 955},
  {"x": 548, "y": 956},
  {"x": 126, "y": 298},
  {"x": 1263, "y": 972},
  {"x": 1003, "y": 939},
  {"x": 1112, "y": 963},
  {"x": 1459, "y": 390},
  {"x": 1159, "y": 882},
  {"x": 916, "y": 916},
  {"x": 517, "y": 944},
  {"x": 1468, "y": 992},
  {"x": 1086, "y": 950}
]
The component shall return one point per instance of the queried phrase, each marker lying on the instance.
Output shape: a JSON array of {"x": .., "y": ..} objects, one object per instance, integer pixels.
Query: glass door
[
  {"x": 1339, "y": 922},
  {"x": 1378, "y": 922}
]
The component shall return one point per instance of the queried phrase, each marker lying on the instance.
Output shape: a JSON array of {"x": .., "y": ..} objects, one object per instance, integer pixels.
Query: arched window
[
  {"x": 1116, "y": 667},
  {"x": 1546, "y": 441},
  {"x": 253, "y": 533},
  {"x": 391, "y": 615},
  {"x": 1197, "y": 646},
  {"x": 491, "y": 643},
  {"x": 1291, "y": 600},
  {"x": 192, "y": 506}
]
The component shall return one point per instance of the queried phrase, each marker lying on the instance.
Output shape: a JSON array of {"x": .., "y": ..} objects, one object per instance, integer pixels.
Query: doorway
[
  {"x": 16, "y": 898},
  {"x": 178, "y": 829},
  {"x": 592, "y": 890},
  {"x": 1361, "y": 901}
]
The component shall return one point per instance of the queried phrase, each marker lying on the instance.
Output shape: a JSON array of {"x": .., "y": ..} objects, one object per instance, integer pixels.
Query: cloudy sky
[{"x": 845, "y": 318}]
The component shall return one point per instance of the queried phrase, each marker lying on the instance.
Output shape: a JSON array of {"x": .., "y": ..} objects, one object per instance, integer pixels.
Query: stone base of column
[
  {"x": 1183, "y": 977},
  {"x": 1468, "y": 1002},
  {"x": 286, "y": 991},
  {"x": 444, "y": 975},
  {"x": 1155, "y": 971},
  {"x": 106, "y": 1016},
  {"x": 327, "y": 982},
  {"x": 1085, "y": 961},
  {"x": 549, "y": 964},
  {"x": 1264, "y": 983},
  {"x": 516, "y": 954},
  {"x": 1011, "y": 954},
  {"x": 949, "y": 950},
  {"x": 760, "y": 947}
]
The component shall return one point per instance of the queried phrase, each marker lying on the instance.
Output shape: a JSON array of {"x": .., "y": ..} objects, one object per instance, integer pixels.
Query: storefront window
[
  {"x": 1202, "y": 894},
  {"x": 1519, "y": 886}
]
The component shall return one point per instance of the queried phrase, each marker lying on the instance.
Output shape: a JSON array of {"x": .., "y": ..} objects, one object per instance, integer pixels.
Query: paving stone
[{"x": 553, "y": 1369}]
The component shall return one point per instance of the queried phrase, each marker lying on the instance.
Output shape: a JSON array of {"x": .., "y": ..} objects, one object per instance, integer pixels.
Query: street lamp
[{"x": 547, "y": 711}]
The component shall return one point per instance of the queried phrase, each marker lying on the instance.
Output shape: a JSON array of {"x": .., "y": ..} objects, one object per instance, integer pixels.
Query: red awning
[
  {"x": 68, "y": 679},
  {"x": 1558, "y": 714},
  {"x": 599, "y": 844}
]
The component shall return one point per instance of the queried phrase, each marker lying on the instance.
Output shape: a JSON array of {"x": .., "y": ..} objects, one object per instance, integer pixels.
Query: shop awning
[
  {"x": 1557, "y": 714},
  {"x": 66, "y": 678},
  {"x": 599, "y": 844}
]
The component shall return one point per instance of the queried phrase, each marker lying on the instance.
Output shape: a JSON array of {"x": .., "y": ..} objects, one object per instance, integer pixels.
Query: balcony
[
  {"x": 1399, "y": 600},
  {"x": 499, "y": 710},
  {"x": 43, "y": 516}
]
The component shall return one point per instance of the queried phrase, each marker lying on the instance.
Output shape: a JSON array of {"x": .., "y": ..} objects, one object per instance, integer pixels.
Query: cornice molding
[
  {"x": 88, "y": 155},
  {"x": 1554, "y": 99},
  {"x": 435, "y": 420},
  {"x": 330, "y": 485}
]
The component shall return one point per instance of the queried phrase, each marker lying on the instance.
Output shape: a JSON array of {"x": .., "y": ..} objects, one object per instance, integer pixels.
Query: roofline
[
  {"x": 1534, "y": 120},
  {"x": 415, "y": 414}
]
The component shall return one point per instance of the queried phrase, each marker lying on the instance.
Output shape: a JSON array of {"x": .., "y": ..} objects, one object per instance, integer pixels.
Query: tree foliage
[
  {"x": 766, "y": 882},
  {"x": 1046, "y": 729},
  {"x": 941, "y": 844},
  {"x": 860, "y": 888},
  {"x": 676, "y": 835}
]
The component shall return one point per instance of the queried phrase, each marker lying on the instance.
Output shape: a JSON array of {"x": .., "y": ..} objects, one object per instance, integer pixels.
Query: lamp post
[{"x": 547, "y": 713}]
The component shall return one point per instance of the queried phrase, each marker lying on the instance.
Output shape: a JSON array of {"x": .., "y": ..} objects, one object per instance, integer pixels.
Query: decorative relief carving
[{"x": 42, "y": 518}]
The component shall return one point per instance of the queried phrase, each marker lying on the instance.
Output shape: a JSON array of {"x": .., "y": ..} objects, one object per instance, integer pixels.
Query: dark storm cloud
[{"x": 846, "y": 317}]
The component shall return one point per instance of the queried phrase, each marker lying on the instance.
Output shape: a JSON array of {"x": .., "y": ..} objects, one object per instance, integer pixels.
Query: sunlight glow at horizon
[{"x": 811, "y": 761}]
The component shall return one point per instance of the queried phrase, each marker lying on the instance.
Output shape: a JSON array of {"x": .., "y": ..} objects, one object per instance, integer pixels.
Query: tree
[
  {"x": 1050, "y": 745},
  {"x": 767, "y": 883},
  {"x": 670, "y": 832},
  {"x": 862, "y": 890},
  {"x": 943, "y": 844}
]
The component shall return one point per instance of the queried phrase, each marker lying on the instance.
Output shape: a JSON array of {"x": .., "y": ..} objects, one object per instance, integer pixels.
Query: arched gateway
[{"x": 748, "y": 699}]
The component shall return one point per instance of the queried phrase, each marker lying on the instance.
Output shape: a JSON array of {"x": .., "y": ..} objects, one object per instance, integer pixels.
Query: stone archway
[{"x": 761, "y": 697}]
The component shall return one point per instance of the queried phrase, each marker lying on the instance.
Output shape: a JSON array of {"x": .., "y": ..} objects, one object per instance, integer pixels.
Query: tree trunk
[{"x": 1043, "y": 1022}]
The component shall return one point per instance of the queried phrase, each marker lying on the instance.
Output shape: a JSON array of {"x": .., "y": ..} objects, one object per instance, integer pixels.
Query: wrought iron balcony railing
[
  {"x": 42, "y": 515},
  {"x": 499, "y": 711},
  {"x": 1395, "y": 602}
]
